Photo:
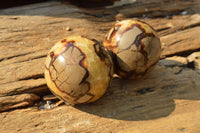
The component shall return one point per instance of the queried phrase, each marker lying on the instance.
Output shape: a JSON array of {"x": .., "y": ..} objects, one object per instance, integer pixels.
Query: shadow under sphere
[{"x": 148, "y": 98}]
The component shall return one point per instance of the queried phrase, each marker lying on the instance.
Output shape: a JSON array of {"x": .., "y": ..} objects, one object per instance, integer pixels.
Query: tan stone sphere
[
  {"x": 78, "y": 70},
  {"x": 134, "y": 46}
]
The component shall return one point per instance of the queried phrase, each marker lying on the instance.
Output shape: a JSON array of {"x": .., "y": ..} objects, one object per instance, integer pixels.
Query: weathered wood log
[
  {"x": 158, "y": 8},
  {"x": 166, "y": 100},
  {"x": 181, "y": 42},
  {"x": 163, "y": 97},
  {"x": 17, "y": 101},
  {"x": 32, "y": 85}
]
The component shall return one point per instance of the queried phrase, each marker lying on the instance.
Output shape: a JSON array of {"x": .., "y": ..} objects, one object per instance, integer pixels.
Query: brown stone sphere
[
  {"x": 78, "y": 70},
  {"x": 135, "y": 48}
]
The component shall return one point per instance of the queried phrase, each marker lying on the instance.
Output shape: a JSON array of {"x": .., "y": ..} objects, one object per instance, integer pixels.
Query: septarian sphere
[
  {"x": 135, "y": 48},
  {"x": 78, "y": 70}
]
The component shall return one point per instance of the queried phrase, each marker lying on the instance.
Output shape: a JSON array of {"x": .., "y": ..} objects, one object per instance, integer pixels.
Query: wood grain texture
[{"x": 166, "y": 100}]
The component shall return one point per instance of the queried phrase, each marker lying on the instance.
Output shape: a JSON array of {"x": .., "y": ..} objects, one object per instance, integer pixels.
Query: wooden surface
[{"x": 167, "y": 100}]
